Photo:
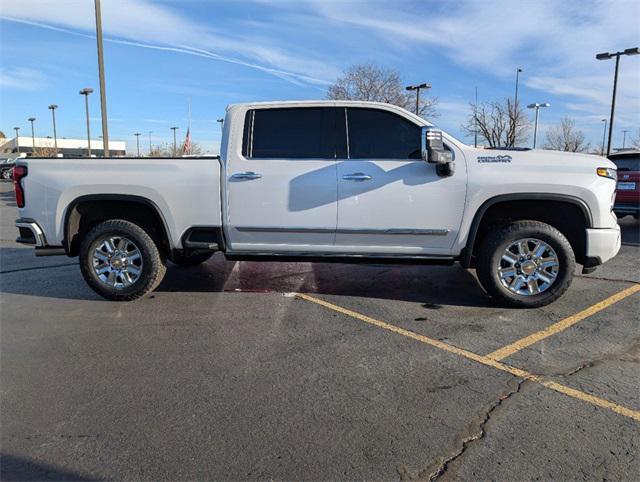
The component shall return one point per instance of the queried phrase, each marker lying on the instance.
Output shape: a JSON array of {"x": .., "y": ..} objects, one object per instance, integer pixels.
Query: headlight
[{"x": 607, "y": 172}]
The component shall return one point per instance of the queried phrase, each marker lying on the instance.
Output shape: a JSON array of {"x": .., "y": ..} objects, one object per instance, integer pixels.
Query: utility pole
[
  {"x": 137, "y": 134},
  {"x": 606, "y": 56},
  {"x": 17, "y": 129},
  {"x": 53, "y": 108},
  {"x": 417, "y": 89},
  {"x": 33, "y": 135},
  {"x": 103, "y": 92},
  {"x": 86, "y": 91},
  {"x": 604, "y": 134},
  {"x": 175, "y": 144}
]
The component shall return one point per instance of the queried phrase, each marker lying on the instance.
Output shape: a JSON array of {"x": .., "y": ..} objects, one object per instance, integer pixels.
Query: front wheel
[
  {"x": 120, "y": 261},
  {"x": 526, "y": 264}
]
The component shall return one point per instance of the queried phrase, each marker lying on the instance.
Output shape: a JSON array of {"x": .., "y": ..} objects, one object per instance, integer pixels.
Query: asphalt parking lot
[{"x": 304, "y": 371}]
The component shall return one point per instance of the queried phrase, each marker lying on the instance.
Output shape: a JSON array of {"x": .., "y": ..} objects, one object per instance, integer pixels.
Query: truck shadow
[{"x": 431, "y": 285}]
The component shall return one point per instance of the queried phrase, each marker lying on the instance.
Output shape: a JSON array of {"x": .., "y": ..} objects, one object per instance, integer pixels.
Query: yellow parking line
[
  {"x": 485, "y": 360},
  {"x": 561, "y": 325}
]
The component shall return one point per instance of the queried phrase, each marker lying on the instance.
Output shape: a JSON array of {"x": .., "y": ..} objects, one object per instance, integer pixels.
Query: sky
[{"x": 161, "y": 55}]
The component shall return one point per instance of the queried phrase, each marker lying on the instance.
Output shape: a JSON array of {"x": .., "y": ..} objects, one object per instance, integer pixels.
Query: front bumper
[{"x": 603, "y": 244}]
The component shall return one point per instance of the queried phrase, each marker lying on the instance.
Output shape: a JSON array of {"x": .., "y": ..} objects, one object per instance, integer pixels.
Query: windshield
[{"x": 627, "y": 163}]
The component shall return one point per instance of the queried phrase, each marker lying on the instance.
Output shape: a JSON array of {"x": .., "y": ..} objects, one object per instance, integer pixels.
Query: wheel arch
[
  {"x": 483, "y": 214},
  {"x": 109, "y": 206}
]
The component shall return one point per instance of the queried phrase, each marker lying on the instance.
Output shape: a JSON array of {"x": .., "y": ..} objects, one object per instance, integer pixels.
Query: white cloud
[{"x": 21, "y": 78}]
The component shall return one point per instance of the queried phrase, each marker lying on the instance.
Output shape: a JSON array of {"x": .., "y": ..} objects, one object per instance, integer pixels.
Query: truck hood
[{"x": 556, "y": 161}]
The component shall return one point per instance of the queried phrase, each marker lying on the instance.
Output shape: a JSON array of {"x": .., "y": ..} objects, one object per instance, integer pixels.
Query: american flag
[{"x": 186, "y": 149}]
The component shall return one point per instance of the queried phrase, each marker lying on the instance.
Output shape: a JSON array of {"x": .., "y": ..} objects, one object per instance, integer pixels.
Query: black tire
[
  {"x": 152, "y": 269},
  {"x": 491, "y": 252},
  {"x": 191, "y": 259}
]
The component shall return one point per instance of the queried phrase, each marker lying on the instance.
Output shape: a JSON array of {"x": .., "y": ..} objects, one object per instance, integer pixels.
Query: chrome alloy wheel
[
  {"x": 117, "y": 261},
  {"x": 528, "y": 267}
]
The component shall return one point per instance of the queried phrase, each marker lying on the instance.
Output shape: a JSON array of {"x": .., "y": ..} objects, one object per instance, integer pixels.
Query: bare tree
[
  {"x": 500, "y": 124},
  {"x": 372, "y": 82},
  {"x": 565, "y": 137},
  {"x": 166, "y": 150}
]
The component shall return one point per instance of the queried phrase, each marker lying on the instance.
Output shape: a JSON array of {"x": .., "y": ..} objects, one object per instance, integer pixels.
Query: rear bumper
[
  {"x": 602, "y": 244},
  {"x": 31, "y": 233}
]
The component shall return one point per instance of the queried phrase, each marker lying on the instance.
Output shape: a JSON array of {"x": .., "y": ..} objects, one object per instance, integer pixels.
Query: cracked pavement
[{"x": 221, "y": 374}]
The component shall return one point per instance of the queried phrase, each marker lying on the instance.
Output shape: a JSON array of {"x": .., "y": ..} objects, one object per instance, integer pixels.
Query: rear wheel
[
  {"x": 120, "y": 261},
  {"x": 526, "y": 264}
]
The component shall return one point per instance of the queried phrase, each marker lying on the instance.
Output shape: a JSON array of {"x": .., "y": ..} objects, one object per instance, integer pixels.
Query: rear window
[
  {"x": 290, "y": 133},
  {"x": 627, "y": 163}
]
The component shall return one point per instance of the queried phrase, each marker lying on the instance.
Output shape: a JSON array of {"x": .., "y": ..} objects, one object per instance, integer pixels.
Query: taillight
[{"x": 18, "y": 173}]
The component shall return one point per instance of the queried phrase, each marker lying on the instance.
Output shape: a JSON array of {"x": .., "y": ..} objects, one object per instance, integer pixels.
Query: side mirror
[{"x": 434, "y": 152}]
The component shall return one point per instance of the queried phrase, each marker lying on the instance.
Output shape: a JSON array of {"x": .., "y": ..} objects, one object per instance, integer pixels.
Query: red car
[{"x": 628, "y": 191}]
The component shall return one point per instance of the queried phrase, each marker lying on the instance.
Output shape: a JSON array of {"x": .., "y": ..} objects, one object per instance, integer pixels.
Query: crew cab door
[
  {"x": 281, "y": 186},
  {"x": 389, "y": 200}
]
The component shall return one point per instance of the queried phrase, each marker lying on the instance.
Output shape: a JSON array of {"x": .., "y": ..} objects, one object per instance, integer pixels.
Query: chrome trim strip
[{"x": 400, "y": 231}]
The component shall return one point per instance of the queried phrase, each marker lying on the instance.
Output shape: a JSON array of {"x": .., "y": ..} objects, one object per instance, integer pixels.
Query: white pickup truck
[{"x": 331, "y": 181}]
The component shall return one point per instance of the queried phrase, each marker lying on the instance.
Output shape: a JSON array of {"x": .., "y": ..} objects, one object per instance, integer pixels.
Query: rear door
[
  {"x": 389, "y": 200},
  {"x": 282, "y": 190}
]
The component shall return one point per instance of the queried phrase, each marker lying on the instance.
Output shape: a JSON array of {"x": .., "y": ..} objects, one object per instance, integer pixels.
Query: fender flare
[{"x": 467, "y": 252}]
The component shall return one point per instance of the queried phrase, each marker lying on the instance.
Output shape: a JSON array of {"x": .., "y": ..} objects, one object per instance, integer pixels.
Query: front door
[
  {"x": 282, "y": 191},
  {"x": 389, "y": 200}
]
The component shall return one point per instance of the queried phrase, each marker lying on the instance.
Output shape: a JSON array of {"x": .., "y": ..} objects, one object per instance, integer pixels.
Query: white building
[{"x": 66, "y": 147}]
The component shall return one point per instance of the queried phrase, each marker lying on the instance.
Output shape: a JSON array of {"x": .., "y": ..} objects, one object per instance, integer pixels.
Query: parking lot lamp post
[
  {"x": 515, "y": 102},
  {"x": 33, "y": 134},
  {"x": 53, "y": 108},
  {"x": 150, "y": 132},
  {"x": 175, "y": 143},
  {"x": 624, "y": 138},
  {"x": 17, "y": 129},
  {"x": 137, "y": 134},
  {"x": 535, "y": 127},
  {"x": 417, "y": 89},
  {"x": 604, "y": 135},
  {"x": 103, "y": 91},
  {"x": 221, "y": 122},
  {"x": 86, "y": 91},
  {"x": 606, "y": 56}
]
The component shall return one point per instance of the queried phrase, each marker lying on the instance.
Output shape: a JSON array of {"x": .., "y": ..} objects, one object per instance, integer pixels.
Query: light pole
[
  {"x": 150, "y": 142},
  {"x": 53, "y": 108},
  {"x": 535, "y": 128},
  {"x": 103, "y": 92},
  {"x": 17, "y": 129},
  {"x": 86, "y": 91},
  {"x": 175, "y": 144},
  {"x": 606, "y": 56},
  {"x": 221, "y": 122},
  {"x": 517, "y": 80},
  {"x": 624, "y": 138},
  {"x": 137, "y": 134},
  {"x": 417, "y": 89},
  {"x": 33, "y": 134},
  {"x": 604, "y": 134}
]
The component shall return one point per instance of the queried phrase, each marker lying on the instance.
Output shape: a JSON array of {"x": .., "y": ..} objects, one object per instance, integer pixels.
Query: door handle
[
  {"x": 248, "y": 175},
  {"x": 357, "y": 176}
]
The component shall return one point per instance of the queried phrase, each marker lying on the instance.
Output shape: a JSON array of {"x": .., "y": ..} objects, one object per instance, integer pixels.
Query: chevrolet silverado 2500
[{"x": 332, "y": 181}]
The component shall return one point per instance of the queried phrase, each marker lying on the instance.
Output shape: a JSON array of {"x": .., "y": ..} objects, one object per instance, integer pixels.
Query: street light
[
  {"x": 175, "y": 144},
  {"x": 517, "y": 80},
  {"x": 535, "y": 129},
  {"x": 86, "y": 91},
  {"x": 624, "y": 138},
  {"x": 221, "y": 122},
  {"x": 150, "y": 143},
  {"x": 606, "y": 56},
  {"x": 33, "y": 135},
  {"x": 417, "y": 89},
  {"x": 103, "y": 92},
  {"x": 604, "y": 134},
  {"x": 137, "y": 134},
  {"x": 53, "y": 108},
  {"x": 17, "y": 129}
]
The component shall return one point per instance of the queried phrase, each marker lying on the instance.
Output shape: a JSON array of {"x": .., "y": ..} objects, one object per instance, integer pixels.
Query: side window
[
  {"x": 290, "y": 133},
  {"x": 378, "y": 134}
]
